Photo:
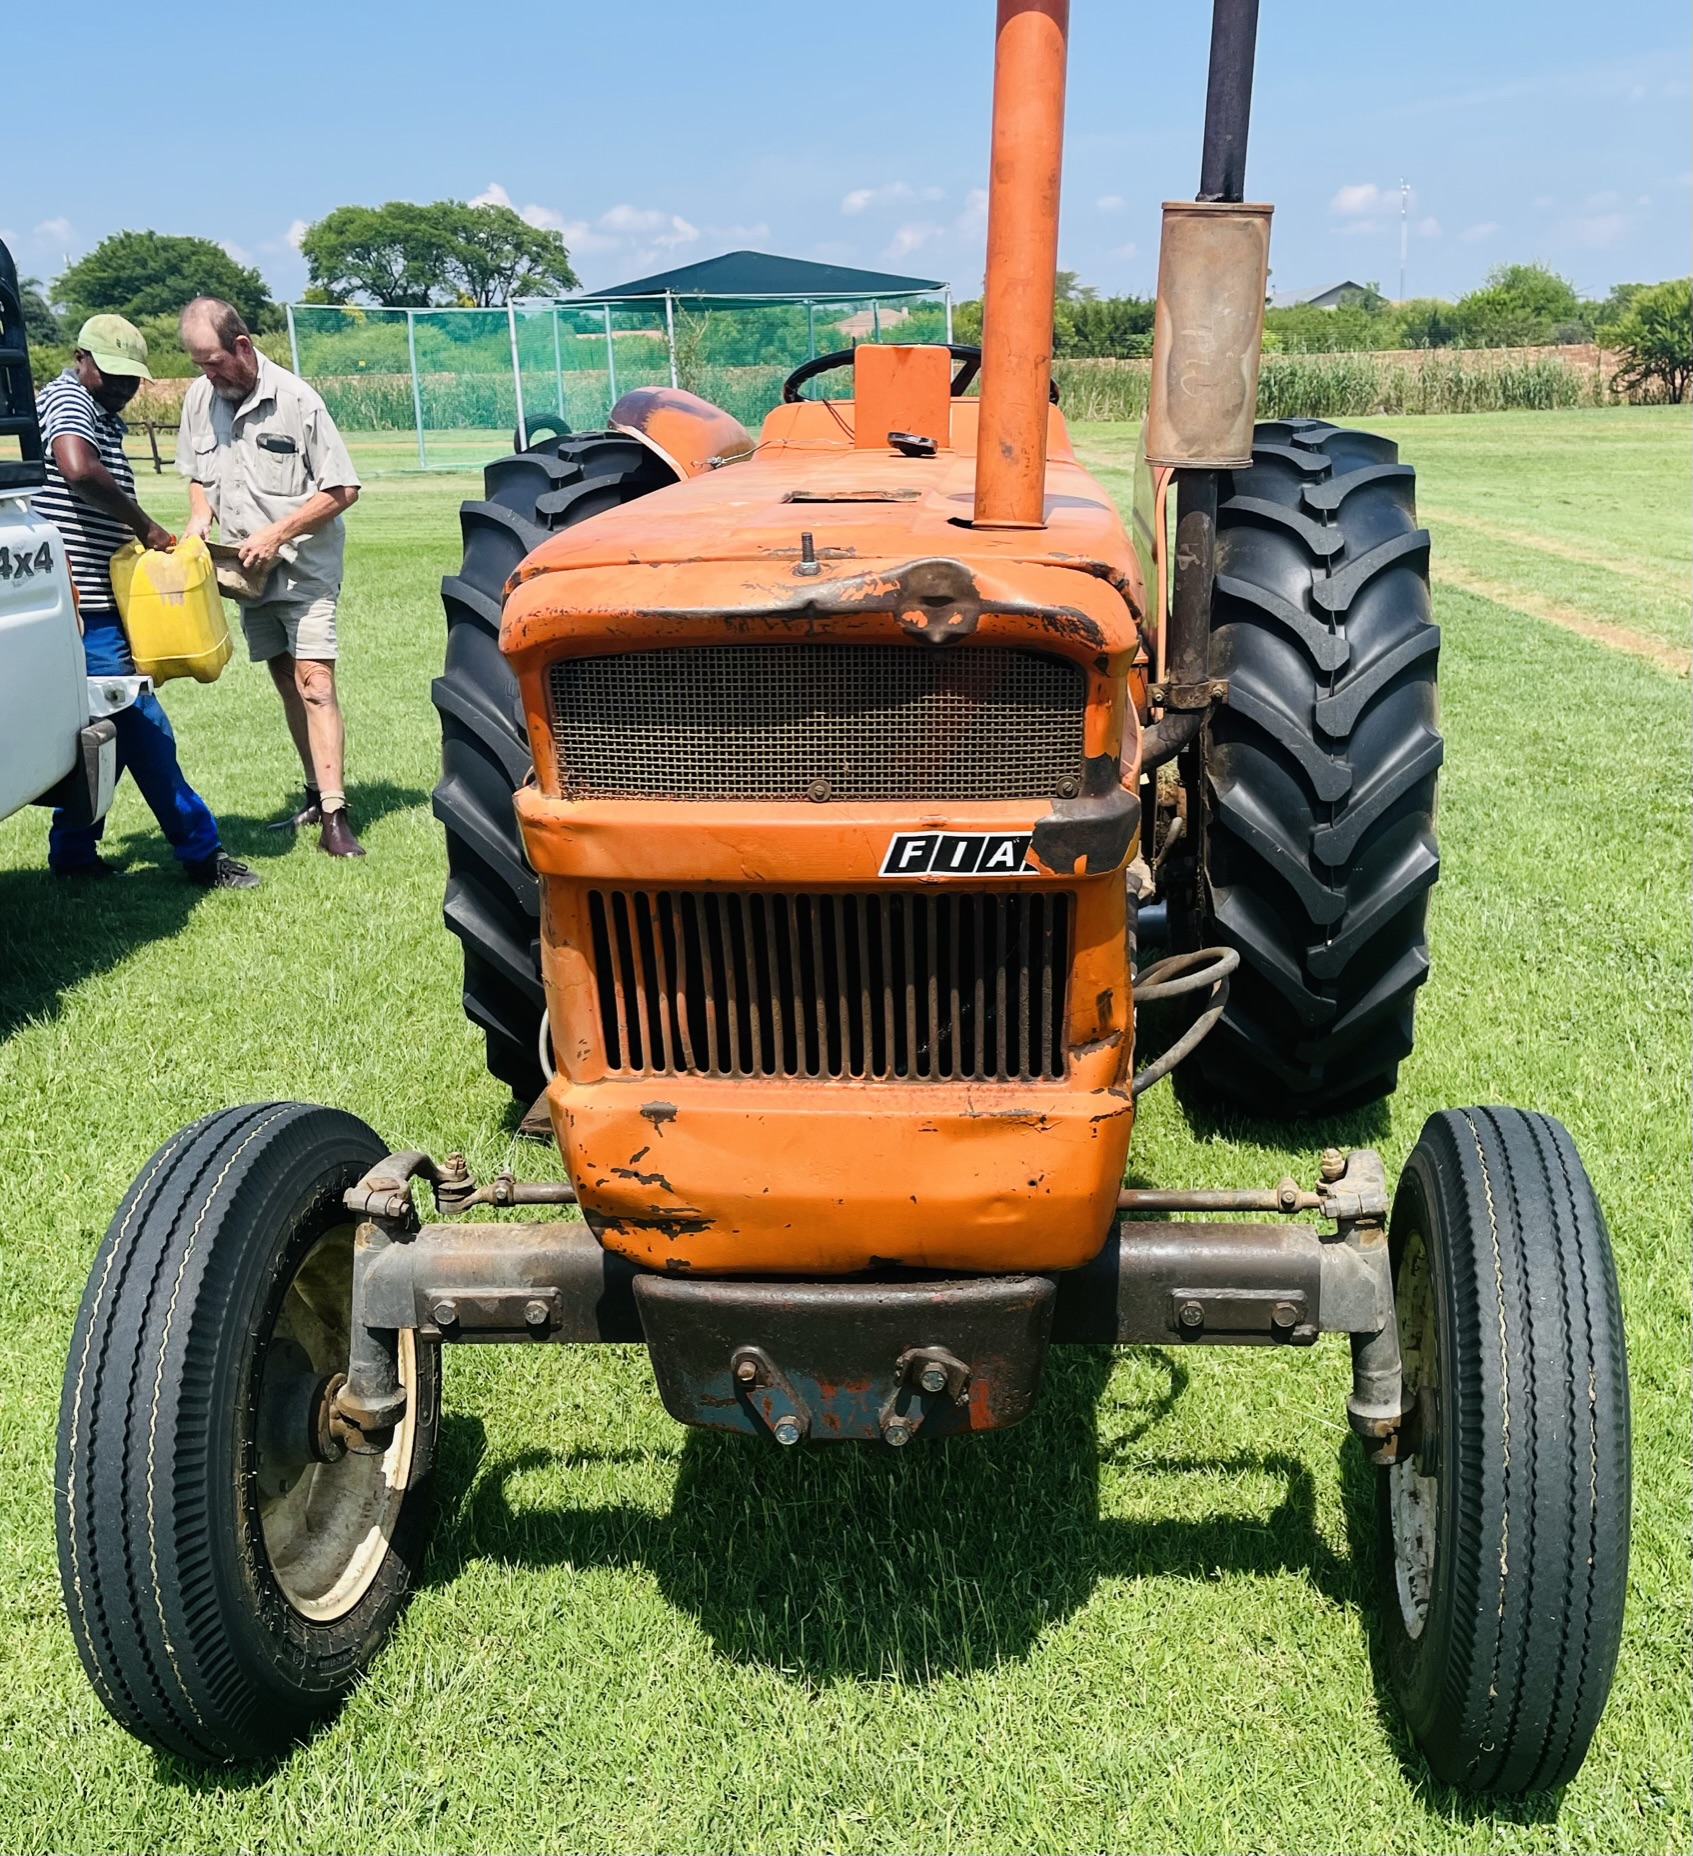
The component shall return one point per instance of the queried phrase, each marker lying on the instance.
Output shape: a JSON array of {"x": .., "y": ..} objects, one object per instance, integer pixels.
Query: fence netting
[{"x": 445, "y": 389}]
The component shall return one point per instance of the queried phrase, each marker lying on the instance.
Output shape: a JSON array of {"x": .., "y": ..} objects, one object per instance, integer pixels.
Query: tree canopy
[
  {"x": 1655, "y": 335},
  {"x": 405, "y": 256},
  {"x": 1519, "y": 306},
  {"x": 142, "y": 274}
]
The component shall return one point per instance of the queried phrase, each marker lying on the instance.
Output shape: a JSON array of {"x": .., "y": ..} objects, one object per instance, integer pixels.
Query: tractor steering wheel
[{"x": 964, "y": 352}]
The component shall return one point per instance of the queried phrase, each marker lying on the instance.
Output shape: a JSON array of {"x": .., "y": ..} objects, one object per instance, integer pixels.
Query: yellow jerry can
[{"x": 171, "y": 609}]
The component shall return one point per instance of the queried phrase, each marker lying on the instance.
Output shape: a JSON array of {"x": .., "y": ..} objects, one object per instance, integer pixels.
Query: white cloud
[
  {"x": 1428, "y": 228},
  {"x": 238, "y": 252},
  {"x": 895, "y": 193},
  {"x": 911, "y": 237},
  {"x": 56, "y": 231},
  {"x": 542, "y": 217},
  {"x": 296, "y": 232},
  {"x": 1365, "y": 197},
  {"x": 1598, "y": 231},
  {"x": 1110, "y": 202},
  {"x": 1124, "y": 251},
  {"x": 974, "y": 217},
  {"x": 1473, "y": 235}
]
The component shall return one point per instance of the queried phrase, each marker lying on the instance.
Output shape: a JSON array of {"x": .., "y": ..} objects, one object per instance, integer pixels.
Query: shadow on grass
[
  {"x": 56, "y": 932},
  {"x": 867, "y": 1563},
  {"x": 369, "y": 801}
]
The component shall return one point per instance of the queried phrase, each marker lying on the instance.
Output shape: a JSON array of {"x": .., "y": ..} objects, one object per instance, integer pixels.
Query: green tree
[
  {"x": 41, "y": 324},
  {"x": 394, "y": 255},
  {"x": 405, "y": 256},
  {"x": 141, "y": 274},
  {"x": 1655, "y": 335},
  {"x": 1521, "y": 306},
  {"x": 494, "y": 254}
]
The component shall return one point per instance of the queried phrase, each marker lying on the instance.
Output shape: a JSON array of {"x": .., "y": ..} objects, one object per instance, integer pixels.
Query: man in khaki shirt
[{"x": 264, "y": 461}]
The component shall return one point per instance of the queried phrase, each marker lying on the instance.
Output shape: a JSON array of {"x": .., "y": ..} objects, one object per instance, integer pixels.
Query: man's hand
[
  {"x": 261, "y": 547},
  {"x": 199, "y": 525},
  {"x": 153, "y": 536}
]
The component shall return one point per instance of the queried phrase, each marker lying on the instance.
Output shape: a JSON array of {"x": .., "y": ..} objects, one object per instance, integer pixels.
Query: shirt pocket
[
  {"x": 279, "y": 466},
  {"x": 208, "y": 466}
]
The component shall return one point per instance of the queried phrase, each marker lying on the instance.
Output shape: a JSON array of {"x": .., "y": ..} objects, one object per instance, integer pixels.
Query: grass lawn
[{"x": 1142, "y": 1621}]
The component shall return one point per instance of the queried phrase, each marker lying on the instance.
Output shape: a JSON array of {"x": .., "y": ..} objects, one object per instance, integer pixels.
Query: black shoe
[
  {"x": 220, "y": 871},
  {"x": 311, "y": 813},
  {"x": 96, "y": 866}
]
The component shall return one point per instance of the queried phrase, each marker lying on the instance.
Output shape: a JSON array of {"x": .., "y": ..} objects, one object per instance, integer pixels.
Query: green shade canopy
[{"x": 759, "y": 276}]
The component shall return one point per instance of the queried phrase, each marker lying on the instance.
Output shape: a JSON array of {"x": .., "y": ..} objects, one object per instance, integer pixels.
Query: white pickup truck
[{"x": 57, "y": 745}]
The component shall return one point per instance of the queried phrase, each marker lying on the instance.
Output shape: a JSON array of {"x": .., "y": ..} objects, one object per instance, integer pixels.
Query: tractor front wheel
[
  {"x": 1502, "y": 1542},
  {"x": 229, "y": 1567}
]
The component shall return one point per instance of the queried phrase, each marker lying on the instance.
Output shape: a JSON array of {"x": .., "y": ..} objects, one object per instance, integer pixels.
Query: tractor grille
[
  {"x": 819, "y": 721},
  {"x": 929, "y": 988}
]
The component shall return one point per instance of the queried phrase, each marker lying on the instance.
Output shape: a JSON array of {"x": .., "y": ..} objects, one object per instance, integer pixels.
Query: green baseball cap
[{"x": 118, "y": 347}]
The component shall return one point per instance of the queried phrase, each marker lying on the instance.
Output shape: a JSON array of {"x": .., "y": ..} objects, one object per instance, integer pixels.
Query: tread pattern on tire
[
  {"x": 493, "y": 901},
  {"x": 145, "y": 1594},
  {"x": 1320, "y": 770},
  {"x": 1537, "y": 1519}
]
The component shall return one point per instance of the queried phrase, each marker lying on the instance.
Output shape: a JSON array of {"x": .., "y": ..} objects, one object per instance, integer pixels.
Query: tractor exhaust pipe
[
  {"x": 1028, "y": 142},
  {"x": 1228, "y": 99}
]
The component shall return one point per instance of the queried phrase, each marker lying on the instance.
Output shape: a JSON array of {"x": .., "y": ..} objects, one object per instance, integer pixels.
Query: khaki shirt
[{"x": 260, "y": 460}]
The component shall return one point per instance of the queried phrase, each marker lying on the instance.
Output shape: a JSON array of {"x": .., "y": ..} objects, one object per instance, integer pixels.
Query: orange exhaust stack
[{"x": 1028, "y": 144}]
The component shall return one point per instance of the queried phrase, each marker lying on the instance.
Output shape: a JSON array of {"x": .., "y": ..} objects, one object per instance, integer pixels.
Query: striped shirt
[{"x": 67, "y": 409}]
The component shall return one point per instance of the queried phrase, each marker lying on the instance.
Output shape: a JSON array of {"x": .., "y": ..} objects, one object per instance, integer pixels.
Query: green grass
[{"x": 1144, "y": 1620}]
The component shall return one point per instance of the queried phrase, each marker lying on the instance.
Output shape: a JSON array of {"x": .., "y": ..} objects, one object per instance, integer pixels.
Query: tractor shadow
[{"x": 867, "y": 1563}]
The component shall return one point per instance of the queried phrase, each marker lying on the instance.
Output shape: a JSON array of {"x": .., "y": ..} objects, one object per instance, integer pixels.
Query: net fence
[{"x": 445, "y": 389}]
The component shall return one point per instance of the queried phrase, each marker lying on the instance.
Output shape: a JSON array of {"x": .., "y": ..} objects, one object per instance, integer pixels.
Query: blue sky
[{"x": 654, "y": 132}]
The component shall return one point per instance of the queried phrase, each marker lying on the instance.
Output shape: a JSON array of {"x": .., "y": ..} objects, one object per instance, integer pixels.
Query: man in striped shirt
[{"x": 89, "y": 497}]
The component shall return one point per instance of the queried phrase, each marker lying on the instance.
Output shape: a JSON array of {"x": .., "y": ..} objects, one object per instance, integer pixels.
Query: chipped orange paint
[{"x": 827, "y": 1176}]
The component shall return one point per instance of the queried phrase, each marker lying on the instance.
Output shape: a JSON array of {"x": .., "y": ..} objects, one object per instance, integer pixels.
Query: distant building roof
[
  {"x": 760, "y": 274},
  {"x": 1331, "y": 296}
]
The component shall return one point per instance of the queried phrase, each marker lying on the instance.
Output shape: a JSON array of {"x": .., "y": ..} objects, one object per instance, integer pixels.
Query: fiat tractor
[{"x": 845, "y": 828}]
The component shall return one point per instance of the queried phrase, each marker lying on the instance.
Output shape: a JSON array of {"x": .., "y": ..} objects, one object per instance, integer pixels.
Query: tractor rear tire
[
  {"x": 1319, "y": 771},
  {"x": 1502, "y": 1544},
  {"x": 493, "y": 901},
  {"x": 228, "y": 1575}
]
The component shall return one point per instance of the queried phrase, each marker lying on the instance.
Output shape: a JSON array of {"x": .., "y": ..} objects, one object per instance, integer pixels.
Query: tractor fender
[{"x": 690, "y": 434}]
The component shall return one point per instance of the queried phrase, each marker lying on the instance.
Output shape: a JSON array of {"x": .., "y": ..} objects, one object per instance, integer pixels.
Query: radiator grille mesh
[
  {"x": 819, "y": 721},
  {"x": 909, "y": 985}
]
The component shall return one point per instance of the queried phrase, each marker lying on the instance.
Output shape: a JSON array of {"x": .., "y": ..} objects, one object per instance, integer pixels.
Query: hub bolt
[
  {"x": 446, "y": 1313},
  {"x": 933, "y": 1379},
  {"x": 746, "y": 1371},
  {"x": 536, "y": 1313},
  {"x": 1284, "y": 1315},
  {"x": 1192, "y": 1315},
  {"x": 787, "y": 1431},
  {"x": 898, "y": 1433},
  {"x": 1332, "y": 1165}
]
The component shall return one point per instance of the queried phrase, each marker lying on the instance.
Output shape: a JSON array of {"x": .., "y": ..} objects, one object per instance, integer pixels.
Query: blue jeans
[{"x": 147, "y": 748}]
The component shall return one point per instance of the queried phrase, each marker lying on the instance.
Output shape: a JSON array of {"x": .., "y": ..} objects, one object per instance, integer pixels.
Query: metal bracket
[
  {"x": 1188, "y": 698},
  {"x": 765, "y": 1388}
]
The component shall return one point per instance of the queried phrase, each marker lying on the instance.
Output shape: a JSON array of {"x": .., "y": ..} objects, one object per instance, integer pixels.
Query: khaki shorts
[{"x": 301, "y": 627}]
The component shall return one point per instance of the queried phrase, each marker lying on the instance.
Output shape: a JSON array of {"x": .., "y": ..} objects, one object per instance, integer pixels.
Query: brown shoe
[
  {"x": 311, "y": 813},
  {"x": 337, "y": 837}
]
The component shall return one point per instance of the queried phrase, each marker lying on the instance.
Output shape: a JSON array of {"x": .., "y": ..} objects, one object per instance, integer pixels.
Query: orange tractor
[{"x": 813, "y": 807}]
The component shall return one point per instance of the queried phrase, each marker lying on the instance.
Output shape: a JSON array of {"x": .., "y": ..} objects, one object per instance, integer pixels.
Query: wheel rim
[
  {"x": 326, "y": 1524},
  {"x": 1413, "y": 1496}
]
